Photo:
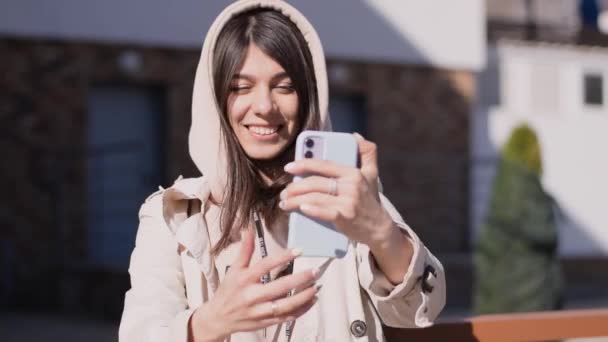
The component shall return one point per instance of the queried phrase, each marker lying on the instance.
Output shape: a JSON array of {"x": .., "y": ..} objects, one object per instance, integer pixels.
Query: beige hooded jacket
[{"x": 172, "y": 270}]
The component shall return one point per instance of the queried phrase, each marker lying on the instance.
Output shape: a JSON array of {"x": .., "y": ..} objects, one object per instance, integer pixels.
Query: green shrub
[
  {"x": 523, "y": 149},
  {"x": 516, "y": 263}
]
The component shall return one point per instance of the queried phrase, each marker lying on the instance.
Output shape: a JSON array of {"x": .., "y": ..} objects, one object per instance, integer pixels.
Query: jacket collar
[{"x": 191, "y": 233}]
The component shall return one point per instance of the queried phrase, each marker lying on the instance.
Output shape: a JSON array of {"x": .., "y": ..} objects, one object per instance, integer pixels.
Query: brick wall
[
  {"x": 43, "y": 99},
  {"x": 418, "y": 116}
]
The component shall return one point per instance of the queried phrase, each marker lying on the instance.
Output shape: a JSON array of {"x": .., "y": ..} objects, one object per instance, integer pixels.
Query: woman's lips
[{"x": 265, "y": 132}]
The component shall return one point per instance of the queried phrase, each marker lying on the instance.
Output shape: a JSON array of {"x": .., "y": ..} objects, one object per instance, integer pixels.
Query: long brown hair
[{"x": 246, "y": 192}]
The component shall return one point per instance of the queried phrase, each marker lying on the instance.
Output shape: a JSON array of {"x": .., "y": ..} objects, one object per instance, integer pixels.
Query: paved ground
[{"x": 44, "y": 328}]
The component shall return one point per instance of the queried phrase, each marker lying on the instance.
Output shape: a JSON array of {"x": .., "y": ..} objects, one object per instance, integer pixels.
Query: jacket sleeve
[
  {"x": 419, "y": 298},
  {"x": 156, "y": 308}
]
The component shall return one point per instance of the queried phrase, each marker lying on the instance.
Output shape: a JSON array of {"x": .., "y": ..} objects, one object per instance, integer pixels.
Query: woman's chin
[{"x": 265, "y": 153}]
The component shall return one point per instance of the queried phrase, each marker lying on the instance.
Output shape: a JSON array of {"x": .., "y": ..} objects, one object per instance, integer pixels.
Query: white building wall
[
  {"x": 574, "y": 140},
  {"x": 449, "y": 34}
]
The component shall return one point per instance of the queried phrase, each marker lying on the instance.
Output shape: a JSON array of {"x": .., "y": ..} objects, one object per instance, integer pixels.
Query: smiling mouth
[{"x": 263, "y": 130}]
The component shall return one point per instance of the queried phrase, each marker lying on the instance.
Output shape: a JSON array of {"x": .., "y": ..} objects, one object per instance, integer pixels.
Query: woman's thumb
[{"x": 369, "y": 156}]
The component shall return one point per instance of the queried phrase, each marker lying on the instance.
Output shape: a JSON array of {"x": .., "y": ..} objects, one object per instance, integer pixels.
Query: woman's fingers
[
  {"x": 319, "y": 167},
  {"x": 302, "y": 310},
  {"x": 267, "y": 264},
  {"x": 246, "y": 251},
  {"x": 281, "y": 286},
  {"x": 319, "y": 212},
  {"x": 284, "y": 307},
  {"x": 267, "y": 322},
  {"x": 308, "y": 184},
  {"x": 311, "y": 198},
  {"x": 290, "y": 306},
  {"x": 317, "y": 184},
  {"x": 368, "y": 154}
]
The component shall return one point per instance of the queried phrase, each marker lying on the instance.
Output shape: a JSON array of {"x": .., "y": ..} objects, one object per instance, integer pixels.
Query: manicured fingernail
[
  {"x": 289, "y": 166},
  {"x": 315, "y": 272},
  {"x": 283, "y": 194},
  {"x": 318, "y": 287},
  {"x": 282, "y": 204},
  {"x": 296, "y": 252}
]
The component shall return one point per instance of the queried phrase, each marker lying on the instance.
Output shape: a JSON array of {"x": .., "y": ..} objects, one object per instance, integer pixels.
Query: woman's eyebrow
[
  {"x": 277, "y": 76},
  {"x": 242, "y": 76},
  {"x": 280, "y": 75}
]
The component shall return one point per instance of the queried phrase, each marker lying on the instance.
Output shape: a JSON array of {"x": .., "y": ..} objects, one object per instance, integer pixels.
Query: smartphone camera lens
[
  {"x": 308, "y": 154},
  {"x": 310, "y": 143}
]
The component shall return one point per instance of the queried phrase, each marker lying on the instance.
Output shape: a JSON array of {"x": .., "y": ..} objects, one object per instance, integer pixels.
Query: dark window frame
[{"x": 593, "y": 89}]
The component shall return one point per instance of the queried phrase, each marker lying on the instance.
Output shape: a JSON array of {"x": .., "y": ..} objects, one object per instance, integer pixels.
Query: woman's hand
[
  {"x": 354, "y": 208},
  {"x": 242, "y": 303},
  {"x": 348, "y": 198}
]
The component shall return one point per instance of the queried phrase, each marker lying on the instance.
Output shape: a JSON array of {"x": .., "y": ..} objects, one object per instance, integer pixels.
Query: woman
[{"x": 196, "y": 268}]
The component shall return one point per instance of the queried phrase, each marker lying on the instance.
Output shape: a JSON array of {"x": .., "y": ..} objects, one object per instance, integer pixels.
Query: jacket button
[{"x": 358, "y": 328}]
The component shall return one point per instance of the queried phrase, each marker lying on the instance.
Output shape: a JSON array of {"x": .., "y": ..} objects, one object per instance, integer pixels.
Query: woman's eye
[
  {"x": 288, "y": 88},
  {"x": 239, "y": 88}
]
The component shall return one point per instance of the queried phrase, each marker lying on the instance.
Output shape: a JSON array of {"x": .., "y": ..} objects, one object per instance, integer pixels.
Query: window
[
  {"x": 348, "y": 113},
  {"x": 593, "y": 89},
  {"x": 124, "y": 166}
]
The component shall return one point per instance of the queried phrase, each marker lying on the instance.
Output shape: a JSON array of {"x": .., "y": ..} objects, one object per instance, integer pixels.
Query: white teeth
[{"x": 263, "y": 130}]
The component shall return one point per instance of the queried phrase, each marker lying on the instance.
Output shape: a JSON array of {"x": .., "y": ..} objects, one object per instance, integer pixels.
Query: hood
[{"x": 206, "y": 148}]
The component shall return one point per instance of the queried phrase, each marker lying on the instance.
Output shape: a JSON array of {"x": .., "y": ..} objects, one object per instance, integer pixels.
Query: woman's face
[{"x": 262, "y": 106}]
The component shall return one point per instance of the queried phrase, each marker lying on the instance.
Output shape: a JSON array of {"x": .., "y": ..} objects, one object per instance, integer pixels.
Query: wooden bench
[{"x": 533, "y": 326}]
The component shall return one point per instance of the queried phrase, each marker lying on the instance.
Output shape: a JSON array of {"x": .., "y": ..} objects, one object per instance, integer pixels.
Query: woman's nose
[{"x": 263, "y": 102}]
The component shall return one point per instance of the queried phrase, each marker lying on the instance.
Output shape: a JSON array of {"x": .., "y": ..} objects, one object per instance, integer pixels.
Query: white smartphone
[{"x": 314, "y": 237}]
